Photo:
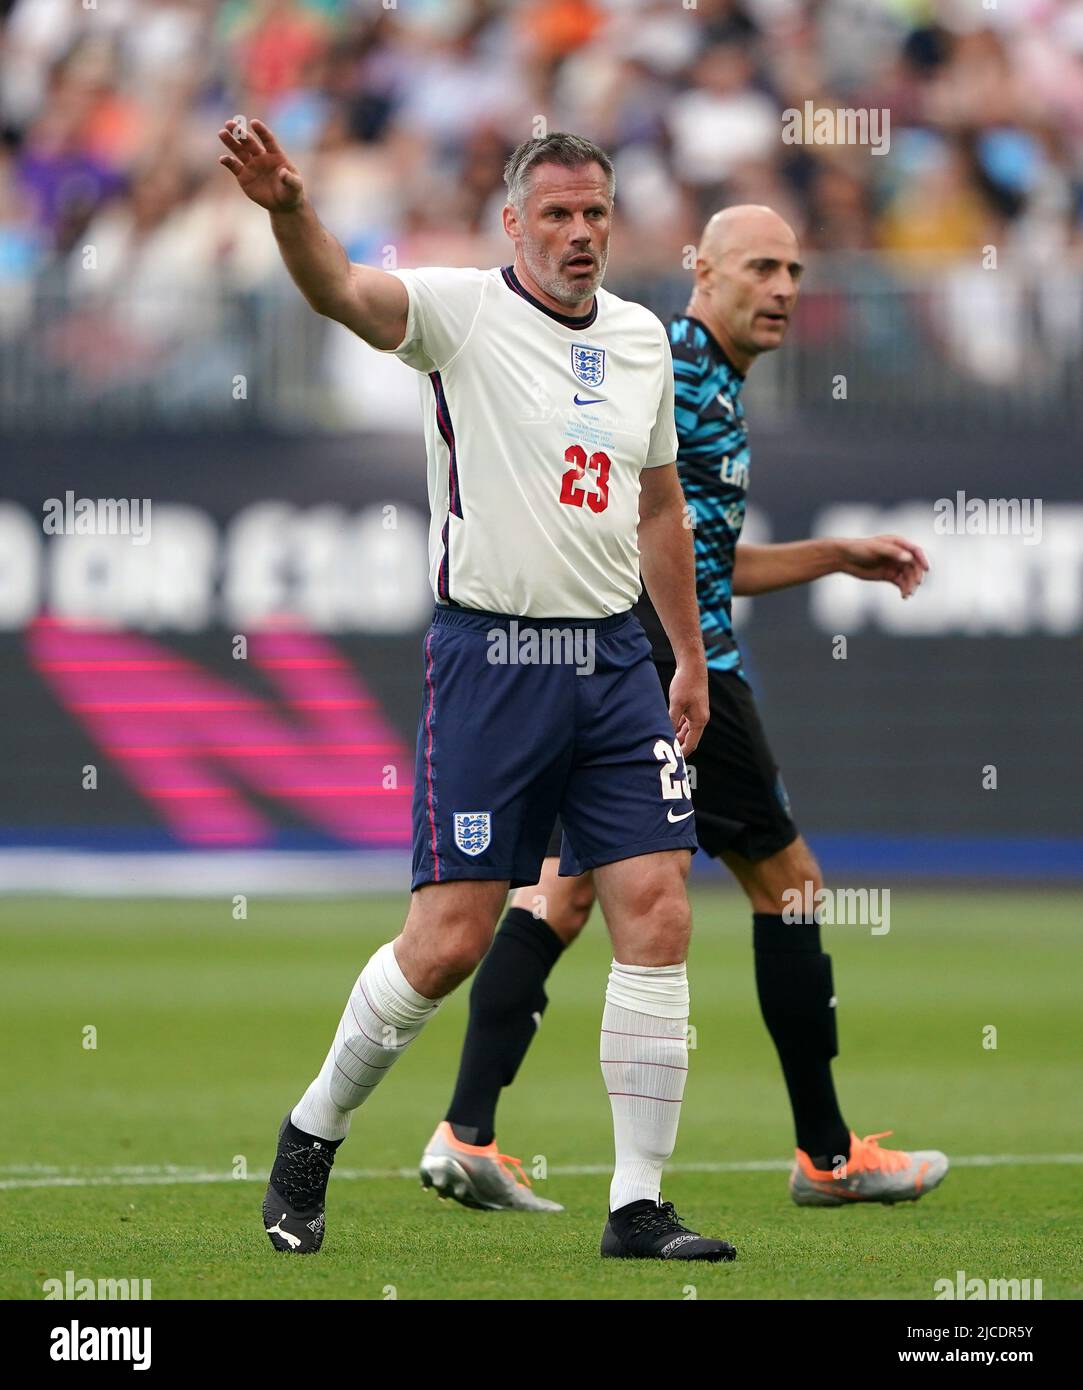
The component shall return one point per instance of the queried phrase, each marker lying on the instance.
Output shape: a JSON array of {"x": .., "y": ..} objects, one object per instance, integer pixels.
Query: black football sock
[
  {"x": 797, "y": 999},
  {"x": 507, "y": 1000}
]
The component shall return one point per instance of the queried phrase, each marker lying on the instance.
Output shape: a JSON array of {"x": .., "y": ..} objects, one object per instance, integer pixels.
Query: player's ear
[{"x": 511, "y": 221}]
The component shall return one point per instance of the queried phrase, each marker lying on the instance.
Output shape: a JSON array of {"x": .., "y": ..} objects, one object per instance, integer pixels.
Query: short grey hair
[{"x": 571, "y": 151}]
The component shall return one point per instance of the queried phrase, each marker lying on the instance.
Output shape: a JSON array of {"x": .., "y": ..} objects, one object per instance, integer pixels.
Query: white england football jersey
[{"x": 537, "y": 426}]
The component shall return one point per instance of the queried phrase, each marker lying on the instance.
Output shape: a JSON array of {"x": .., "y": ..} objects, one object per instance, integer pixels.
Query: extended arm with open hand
[{"x": 369, "y": 302}]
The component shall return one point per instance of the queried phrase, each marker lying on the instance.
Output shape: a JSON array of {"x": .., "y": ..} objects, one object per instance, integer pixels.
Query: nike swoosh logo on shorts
[{"x": 683, "y": 816}]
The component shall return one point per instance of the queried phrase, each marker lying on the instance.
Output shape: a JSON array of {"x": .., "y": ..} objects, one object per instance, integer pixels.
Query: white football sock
[
  {"x": 383, "y": 1015},
  {"x": 645, "y": 1063}
]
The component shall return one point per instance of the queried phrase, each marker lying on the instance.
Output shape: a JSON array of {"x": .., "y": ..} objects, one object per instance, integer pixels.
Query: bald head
[
  {"x": 744, "y": 228},
  {"x": 747, "y": 272}
]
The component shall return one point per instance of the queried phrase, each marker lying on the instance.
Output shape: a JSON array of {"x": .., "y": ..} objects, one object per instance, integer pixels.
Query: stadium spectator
[{"x": 408, "y": 113}]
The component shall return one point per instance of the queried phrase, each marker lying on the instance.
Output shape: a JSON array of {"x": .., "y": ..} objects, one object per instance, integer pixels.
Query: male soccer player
[
  {"x": 746, "y": 286},
  {"x": 550, "y": 438}
]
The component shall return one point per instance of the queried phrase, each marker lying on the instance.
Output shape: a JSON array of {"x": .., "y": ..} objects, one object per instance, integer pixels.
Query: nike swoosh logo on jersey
[
  {"x": 683, "y": 816},
  {"x": 721, "y": 399},
  {"x": 597, "y": 400}
]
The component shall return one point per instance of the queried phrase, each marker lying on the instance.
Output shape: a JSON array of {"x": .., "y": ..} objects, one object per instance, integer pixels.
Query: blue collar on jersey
[
  {"x": 568, "y": 320},
  {"x": 715, "y": 346}
]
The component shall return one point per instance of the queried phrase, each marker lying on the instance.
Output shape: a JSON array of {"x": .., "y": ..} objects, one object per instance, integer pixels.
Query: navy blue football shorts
[
  {"x": 739, "y": 796},
  {"x": 525, "y": 719}
]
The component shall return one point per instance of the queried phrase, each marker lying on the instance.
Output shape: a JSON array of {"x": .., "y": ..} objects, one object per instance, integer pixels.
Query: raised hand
[
  {"x": 261, "y": 168},
  {"x": 367, "y": 301}
]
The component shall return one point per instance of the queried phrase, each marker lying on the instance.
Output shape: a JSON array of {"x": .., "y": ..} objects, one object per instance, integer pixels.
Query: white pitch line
[{"x": 165, "y": 1175}]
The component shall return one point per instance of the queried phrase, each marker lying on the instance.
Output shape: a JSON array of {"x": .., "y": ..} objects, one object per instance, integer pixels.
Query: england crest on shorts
[
  {"x": 473, "y": 831},
  {"x": 588, "y": 364}
]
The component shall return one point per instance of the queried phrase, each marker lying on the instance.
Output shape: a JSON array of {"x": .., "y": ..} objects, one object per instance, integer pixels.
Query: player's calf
[{"x": 507, "y": 1002}]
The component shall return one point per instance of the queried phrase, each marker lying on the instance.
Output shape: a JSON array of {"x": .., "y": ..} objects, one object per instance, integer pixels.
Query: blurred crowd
[{"x": 400, "y": 113}]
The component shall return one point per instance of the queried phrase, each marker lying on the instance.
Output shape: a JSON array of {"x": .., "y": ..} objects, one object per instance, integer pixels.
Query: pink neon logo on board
[{"x": 192, "y": 742}]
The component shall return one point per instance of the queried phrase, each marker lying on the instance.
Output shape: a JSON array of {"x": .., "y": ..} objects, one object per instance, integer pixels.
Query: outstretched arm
[
  {"x": 369, "y": 302},
  {"x": 758, "y": 569},
  {"x": 668, "y": 567}
]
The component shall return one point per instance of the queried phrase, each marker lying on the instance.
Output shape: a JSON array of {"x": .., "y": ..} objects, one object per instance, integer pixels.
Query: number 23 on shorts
[{"x": 674, "y": 788}]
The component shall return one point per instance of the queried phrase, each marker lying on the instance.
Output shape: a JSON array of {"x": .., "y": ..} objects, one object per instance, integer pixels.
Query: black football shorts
[{"x": 737, "y": 790}]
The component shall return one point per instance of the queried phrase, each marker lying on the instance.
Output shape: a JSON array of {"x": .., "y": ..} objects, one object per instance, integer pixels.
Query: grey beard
[{"x": 560, "y": 291}]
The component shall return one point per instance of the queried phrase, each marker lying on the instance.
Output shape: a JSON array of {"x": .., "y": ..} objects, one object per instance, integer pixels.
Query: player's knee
[
  {"x": 449, "y": 968},
  {"x": 804, "y": 874},
  {"x": 794, "y": 871},
  {"x": 438, "y": 956},
  {"x": 658, "y": 921},
  {"x": 460, "y": 948},
  {"x": 568, "y": 916}
]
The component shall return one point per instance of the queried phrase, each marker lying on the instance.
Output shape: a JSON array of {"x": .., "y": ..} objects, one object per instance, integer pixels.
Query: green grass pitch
[{"x": 209, "y": 1028}]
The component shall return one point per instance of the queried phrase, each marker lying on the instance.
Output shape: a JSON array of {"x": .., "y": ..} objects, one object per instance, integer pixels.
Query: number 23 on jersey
[{"x": 572, "y": 491}]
